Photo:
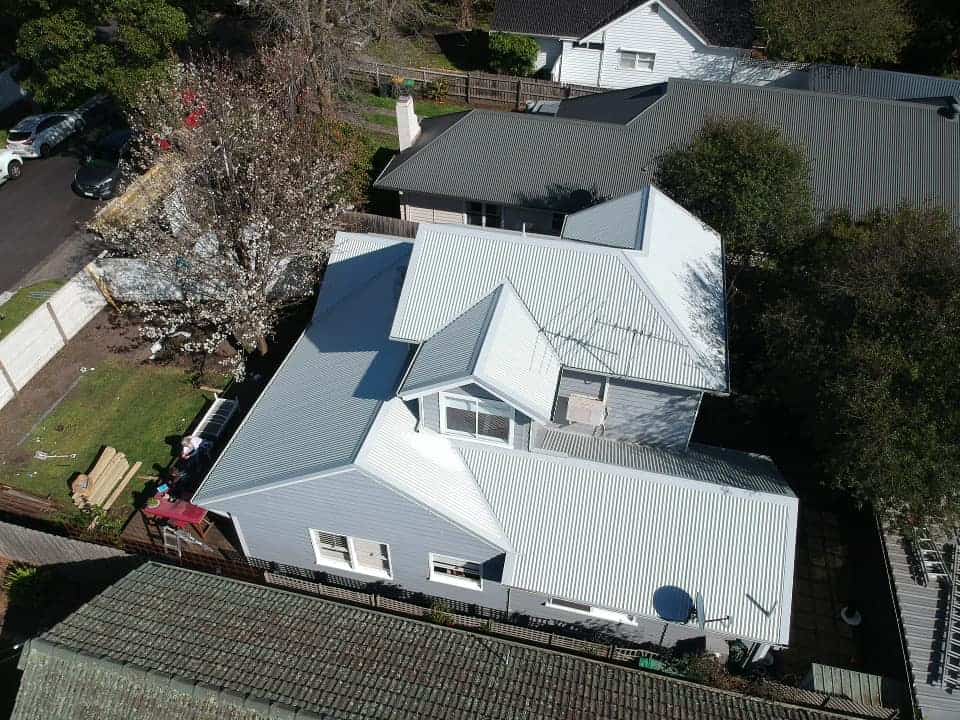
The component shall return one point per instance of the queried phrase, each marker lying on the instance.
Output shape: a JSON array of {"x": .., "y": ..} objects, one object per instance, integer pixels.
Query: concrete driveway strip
[{"x": 38, "y": 213}]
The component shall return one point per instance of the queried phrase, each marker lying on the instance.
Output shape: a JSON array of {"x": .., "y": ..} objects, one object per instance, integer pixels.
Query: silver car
[{"x": 38, "y": 135}]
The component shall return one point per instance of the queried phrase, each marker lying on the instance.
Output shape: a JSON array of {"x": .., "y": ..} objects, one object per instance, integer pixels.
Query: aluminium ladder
[{"x": 950, "y": 661}]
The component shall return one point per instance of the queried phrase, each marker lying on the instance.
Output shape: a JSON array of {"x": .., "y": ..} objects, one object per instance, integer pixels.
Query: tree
[
  {"x": 323, "y": 37},
  {"x": 748, "y": 183},
  {"x": 863, "y": 347},
  {"x": 513, "y": 54},
  {"x": 246, "y": 230},
  {"x": 850, "y": 32},
  {"x": 73, "y": 50}
]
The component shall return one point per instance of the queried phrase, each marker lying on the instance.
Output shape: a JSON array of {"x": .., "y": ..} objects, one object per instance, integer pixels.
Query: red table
[{"x": 181, "y": 514}]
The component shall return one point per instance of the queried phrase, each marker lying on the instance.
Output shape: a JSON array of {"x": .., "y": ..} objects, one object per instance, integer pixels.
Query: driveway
[{"x": 39, "y": 213}]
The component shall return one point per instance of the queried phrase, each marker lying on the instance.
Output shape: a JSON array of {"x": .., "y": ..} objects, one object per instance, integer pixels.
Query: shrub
[
  {"x": 436, "y": 89},
  {"x": 513, "y": 54},
  {"x": 25, "y": 586}
]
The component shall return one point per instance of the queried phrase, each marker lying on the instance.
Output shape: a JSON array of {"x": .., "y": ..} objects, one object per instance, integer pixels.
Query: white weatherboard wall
[
  {"x": 42, "y": 334},
  {"x": 679, "y": 53}
]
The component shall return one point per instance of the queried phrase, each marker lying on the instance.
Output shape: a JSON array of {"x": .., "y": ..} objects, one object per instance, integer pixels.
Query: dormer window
[{"x": 485, "y": 420}]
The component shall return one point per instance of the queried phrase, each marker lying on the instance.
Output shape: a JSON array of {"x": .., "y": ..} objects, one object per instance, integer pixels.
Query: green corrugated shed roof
[{"x": 171, "y": 643}]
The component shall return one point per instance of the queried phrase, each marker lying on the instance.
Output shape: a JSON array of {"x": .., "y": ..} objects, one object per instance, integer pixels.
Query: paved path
[{"x": 39, "y": 214}]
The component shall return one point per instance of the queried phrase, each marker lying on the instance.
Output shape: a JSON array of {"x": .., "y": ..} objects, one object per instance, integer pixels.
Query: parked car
[
  {"x": 38, "y": 135},
  {"x": 10, "y": 166},
  {"x": 100, "y": 174}
]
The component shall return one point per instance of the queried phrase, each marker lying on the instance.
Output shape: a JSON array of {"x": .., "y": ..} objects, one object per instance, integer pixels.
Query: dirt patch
[{"x": 104, "y": 337}]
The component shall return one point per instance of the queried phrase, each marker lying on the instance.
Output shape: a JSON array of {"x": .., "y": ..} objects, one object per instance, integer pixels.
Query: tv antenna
[{"x": 701, "y": 614}]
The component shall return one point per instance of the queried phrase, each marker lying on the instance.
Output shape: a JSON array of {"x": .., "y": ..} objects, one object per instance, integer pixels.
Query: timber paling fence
[
  {"x": 380, "y": 224},
  {"x": 471, "y": 87}
]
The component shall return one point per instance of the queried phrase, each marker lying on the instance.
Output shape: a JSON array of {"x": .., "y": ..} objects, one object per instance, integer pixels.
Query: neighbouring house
[
  {"x": 924, "y": 568},
  {"x": 517, "y": 170},
  {"x": 888, "y": 84},
  {"x": 616, "y": 44},
  {"x": 165, "y": 642},
  {"x": 503, "y": 420}
]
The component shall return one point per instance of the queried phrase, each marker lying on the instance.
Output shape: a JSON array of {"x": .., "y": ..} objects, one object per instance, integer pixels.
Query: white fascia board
[{"x": 686, "y": 26}]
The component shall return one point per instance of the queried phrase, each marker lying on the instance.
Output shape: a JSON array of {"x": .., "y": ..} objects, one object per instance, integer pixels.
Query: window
[
  {"x": 349, "y": 553},
  {"x": 485, "y": 214},
  {"x": 582, "y": 609},
  {"x": 486, "y": 420},
  {"x": 454, "y": 571},
  {"x": 590, "y": 45},
  {"x": 633, "y": 60}
]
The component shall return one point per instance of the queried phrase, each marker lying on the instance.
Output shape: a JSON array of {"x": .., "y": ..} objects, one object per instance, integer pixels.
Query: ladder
[
  {"x": 929, "y": 556},
  {"x": 174, "y": 539},
  {"x": 950, "y": 662}
]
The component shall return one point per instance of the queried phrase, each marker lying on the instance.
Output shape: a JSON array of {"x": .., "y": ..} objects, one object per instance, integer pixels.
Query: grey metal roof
[
  {"x": 923, "y": 620},
  {"x": 604, "y": 310},
  {"x": 496, "y": 344},
  {"x": 616, "y": 223},
  {"x": 863, "y": 153},
  {"x": 616, "y": 106},
  {"x": 871, "y": 83},
  {"x": 701, "y": 463},
  {"x": 615, "y": 538},
  {"x": 314, "y": 414},
  {"x": 165, "y": 642}
]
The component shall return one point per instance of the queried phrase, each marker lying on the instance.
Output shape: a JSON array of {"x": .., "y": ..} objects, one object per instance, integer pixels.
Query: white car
[
  {"x": 11, "y": 167},
  {"x": 38, "y": 135}
]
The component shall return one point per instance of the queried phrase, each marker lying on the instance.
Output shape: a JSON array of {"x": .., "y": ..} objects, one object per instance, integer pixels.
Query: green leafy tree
[
  {"x": 73, "y": 50},
  {"x": 861, "y": 348},
  {"x": 513, "y": 54},
  {"x": 851, "y": 32},
  {"x": 748, "y": 183}
]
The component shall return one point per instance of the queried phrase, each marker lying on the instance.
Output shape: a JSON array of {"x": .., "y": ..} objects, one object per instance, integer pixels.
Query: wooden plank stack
[{"x": 106, "y": 481}]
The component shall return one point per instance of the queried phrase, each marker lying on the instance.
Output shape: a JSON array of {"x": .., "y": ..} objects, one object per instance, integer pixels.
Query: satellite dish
[{"x": 701, "y": 613}]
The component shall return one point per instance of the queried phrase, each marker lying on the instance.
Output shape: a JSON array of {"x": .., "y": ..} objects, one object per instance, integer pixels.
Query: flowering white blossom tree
[{"x": 248, "y": 214}]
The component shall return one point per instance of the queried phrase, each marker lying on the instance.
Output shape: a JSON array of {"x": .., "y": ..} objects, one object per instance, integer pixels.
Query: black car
[{"x": 100, "y": 174}]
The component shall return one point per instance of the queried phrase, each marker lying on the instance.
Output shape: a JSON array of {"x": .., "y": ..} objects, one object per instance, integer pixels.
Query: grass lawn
[
  {"x": 140, "y": 410},
  {"x": 23, "y": 303},
  {"x": 410, "y": 51}
]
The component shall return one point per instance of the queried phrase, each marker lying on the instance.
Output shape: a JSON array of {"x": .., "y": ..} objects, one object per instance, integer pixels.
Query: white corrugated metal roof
[
  {"x": 497, "y": 345},
  {"x": 612, "y": 538},
  {"x": 597, "y": 305},
  {"x": 426, "y": 467}
]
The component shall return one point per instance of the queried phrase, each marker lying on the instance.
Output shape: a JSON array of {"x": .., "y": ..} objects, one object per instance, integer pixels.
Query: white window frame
[
  {"x": 596, "y": 612},
  {"x": 487, "y": 211},
  {"x": 352, "y": 565},
  {"x": 642, "y": 66},
  {"x": 463, "y": 582},
  {"x": 504, "y": 411},
  {"x": 598, "y": 46}
]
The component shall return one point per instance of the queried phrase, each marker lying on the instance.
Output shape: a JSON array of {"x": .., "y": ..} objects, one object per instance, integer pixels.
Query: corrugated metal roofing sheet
[
  {"x": 863, "y": 153},
  {"x": 614, "y": 539},
  {"x": 424, "y": 466},
  {"x": 590, "y": 301},
  {"x": 701, "y": 462},
  {"x": 314, "y": 414},
  {"x": 871, "y": 83}
]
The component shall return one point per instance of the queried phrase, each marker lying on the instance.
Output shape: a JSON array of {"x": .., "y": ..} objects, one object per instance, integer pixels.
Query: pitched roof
[
  {"x": 726, "y": 23},
  {"x": 616, "y": 106},
  {"x": 871, "y": 83},
  {"x": 496, "y": 344},
  {"x": 880, "y": 153},
  {"x": 622, "y": 539},
  {"x": 599, "y": 307},
  {"x": 168, "y": 642},
  {"x": 316, "y": 411}
]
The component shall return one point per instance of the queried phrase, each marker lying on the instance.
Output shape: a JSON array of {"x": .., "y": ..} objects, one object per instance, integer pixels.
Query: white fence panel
[
  {"x": 29, "y": 346},
  {"x": 32, "y": 343},
  {"x": 76, "y": 303}
]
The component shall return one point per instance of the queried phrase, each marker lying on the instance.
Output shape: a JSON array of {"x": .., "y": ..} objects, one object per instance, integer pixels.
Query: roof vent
[{"x": 952, "y": 110}]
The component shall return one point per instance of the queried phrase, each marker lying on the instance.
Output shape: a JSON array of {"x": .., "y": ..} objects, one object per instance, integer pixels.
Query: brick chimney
[{"x": 408, "y": 127}]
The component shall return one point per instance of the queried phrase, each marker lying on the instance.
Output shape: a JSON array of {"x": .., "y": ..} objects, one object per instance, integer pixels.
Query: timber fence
[
  {"x": 470, "y": 87},
  {"x": 381, "y": 224},
  {"x": 44, "y": 332}
]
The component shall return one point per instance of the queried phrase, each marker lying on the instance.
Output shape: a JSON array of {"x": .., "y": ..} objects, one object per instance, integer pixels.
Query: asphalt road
[{"x": 39, "y": 213}]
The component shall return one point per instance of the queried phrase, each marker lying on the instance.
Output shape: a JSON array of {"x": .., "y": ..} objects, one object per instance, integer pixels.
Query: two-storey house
[{"x": 503, "y": 419}]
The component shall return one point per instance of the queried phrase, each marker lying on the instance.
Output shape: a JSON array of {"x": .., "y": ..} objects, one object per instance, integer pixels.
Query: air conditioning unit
[{"x": 586, "y": 410}]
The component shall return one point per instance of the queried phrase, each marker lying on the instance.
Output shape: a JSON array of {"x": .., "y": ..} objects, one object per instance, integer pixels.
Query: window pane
[
  {"x": 628, "y": 60},
  {"x": 493, "y": 426},
  {"x": 462, "y": 421},
  {"x": 331, "y": 547},
  {"x": 454, "y": 567},
  {"x": 372, "y": 555}
]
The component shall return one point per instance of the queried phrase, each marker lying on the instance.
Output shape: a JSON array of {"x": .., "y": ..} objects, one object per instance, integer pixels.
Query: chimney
[{"x": 408, "y": 127}]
